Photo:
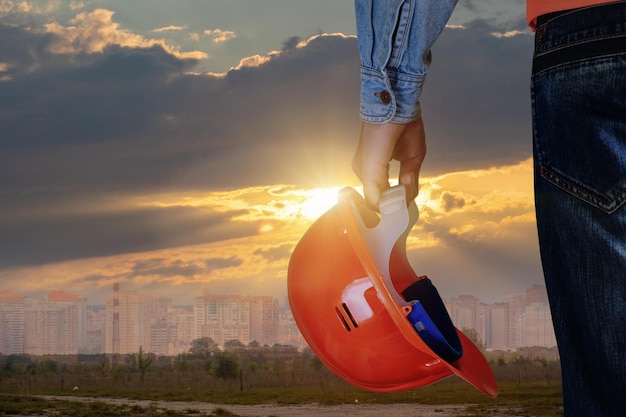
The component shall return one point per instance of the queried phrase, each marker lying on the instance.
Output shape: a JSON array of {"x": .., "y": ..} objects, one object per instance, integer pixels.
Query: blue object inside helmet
[{"x": 431, "y": 321}]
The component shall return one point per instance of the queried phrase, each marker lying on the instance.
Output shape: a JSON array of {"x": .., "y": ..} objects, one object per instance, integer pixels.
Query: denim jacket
[{"x": 395, "y": 37}]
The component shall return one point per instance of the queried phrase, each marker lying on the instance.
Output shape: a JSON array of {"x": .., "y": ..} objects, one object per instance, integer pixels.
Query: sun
[{"x": 318, "y": 201}]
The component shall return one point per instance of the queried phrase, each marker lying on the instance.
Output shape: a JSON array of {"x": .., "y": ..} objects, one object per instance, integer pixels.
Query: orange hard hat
[{"x": 363, "y": 310}]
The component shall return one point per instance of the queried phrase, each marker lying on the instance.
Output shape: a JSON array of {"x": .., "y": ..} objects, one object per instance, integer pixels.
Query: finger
[
  {"x": 374, "y": 176},
  {"x": 410, "y": 150},
  {"x": 410, "y": 184},
  {"x": 371, "y": 160}
]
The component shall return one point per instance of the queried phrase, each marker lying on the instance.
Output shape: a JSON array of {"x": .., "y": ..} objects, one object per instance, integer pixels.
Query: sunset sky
[{"x": 178, "y": 146}]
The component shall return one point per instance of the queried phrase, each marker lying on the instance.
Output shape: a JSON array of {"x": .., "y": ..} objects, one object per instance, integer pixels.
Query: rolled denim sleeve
[{"x": 395, "y": 38}]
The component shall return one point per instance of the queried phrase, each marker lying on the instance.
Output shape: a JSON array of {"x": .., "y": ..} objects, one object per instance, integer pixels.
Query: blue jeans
[{"x": 579, "y": 128}]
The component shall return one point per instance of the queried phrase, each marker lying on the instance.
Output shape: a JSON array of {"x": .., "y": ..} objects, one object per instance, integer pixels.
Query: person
[{"x": 578, "y": 97}]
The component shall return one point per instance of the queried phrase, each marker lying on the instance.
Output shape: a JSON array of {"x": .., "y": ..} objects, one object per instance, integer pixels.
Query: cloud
[
  {"x": 74, "y": 236},
  {"x": 486, "y": 247},
  {"x": 75, "y": 5},
  {"x": 169, "y": 28},
  {"x": 253, "y": 61},
  {"x": 219, "y": 35},
  {"x": 281, "y": 252},
  {"x": 508, "y": 34},
  {"x": 222, "y": 263},
  {"x": 502, "y": 13},
  {"x": 476, "y": 100},
  {"x": 451, "y": 201},
  {"x": 299, "y": 107},
  {"x": 94, "y": 31},
  {"x": 33, "y": 10},
  {"x": 8, "y": 7},
  {"x": 165, "y": 268}
]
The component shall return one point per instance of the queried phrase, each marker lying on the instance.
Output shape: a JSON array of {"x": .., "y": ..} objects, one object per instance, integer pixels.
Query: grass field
[
  {"x": 520, "y": 399},
  {"x": 44, "y": 386}
]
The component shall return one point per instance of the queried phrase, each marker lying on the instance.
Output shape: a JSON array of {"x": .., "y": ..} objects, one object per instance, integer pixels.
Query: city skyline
[
  {"x": 63, "y": 323},
  {"x": 202, "y": 290}
]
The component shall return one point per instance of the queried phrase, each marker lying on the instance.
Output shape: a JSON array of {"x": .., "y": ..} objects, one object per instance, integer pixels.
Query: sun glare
[
  {"x": 318, "y": 201},
  {"x": 265, "y": 227}
]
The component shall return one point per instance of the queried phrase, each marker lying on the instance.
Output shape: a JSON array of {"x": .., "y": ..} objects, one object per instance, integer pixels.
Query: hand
[{"x": 381, "y": 143}]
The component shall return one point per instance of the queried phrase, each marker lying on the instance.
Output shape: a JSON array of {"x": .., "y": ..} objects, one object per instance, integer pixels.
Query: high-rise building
[
  {"x": 129, "y": 319},
  {"x": 12, "y": 330},
  {"x": 94, "y": 339},
  {"x": 468, "y": 312},
  {"x": 288, "y": 332},
  {"x": 537, "y": 294},
  {"x": 52, "y": 325},
  {"x": 264, "y": 320},
  {"x": 183, "y": 319},
  {"x": 231, "y": 317},
  {"x": 163, "y": 338},
  {"x": 538, "y": 329},
  {"x": 536, "y": 319},
  {"x": 498, "y": 326},
  {"x": 523, "y": 320},
  {"x": 222, "y": 318},
  {"x": 517, "y": 304}
]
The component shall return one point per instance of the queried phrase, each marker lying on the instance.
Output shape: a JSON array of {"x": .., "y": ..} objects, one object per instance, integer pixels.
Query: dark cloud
[
  {"x": 223, "y": 263},
  {"x": 50, "y": 239},
  {"x": 451, "y": 201},
  {"x": 103, "y": 99},
  {"x": 134, "y": 120},
  {"x": 166, "y": 268},
  {"x": 291, "y": 43},
  {"x": 276, "y": 253},
  {"x": 506, "y": 14},
  {"x": 292, "y": 119},
  {"x": 129, "y": 119},
  {"x": 476, "y": 101}
]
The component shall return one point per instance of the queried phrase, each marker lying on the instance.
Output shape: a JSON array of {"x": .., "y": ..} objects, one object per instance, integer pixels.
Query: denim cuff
[{"x": 390, "y": 97}]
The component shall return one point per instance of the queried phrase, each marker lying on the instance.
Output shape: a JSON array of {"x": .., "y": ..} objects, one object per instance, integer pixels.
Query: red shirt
[{"x": 536, "y": 8}]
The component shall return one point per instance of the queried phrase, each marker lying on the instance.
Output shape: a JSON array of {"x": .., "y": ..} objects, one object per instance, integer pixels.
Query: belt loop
[{"x": 539, "y": 33}]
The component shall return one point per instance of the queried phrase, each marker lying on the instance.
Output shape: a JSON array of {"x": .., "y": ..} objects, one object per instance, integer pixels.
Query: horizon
[{"x": 283, "y": 303}]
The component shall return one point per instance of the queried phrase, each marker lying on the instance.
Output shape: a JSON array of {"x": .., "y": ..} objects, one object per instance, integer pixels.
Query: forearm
[{"x": 395, "y": 37}]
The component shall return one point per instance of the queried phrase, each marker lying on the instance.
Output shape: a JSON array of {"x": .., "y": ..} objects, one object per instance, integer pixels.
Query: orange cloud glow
[
  {"x": 473, "y": 206},
  {"x": 93, "y": 32},
  {"x": 219, "y": 35},
  {"x": 279, "y": 203}
]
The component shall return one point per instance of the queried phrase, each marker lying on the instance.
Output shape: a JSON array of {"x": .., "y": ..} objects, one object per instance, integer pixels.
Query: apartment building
[
  {"x": 129, "y": 318},
  {"x": 231, "y": 317},
  {"x": 12, "y": 324},
  {"x": 523, "y": 320}
]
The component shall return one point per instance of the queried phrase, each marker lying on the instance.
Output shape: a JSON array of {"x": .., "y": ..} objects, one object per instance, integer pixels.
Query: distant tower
[{"x": 116, "y": 318}]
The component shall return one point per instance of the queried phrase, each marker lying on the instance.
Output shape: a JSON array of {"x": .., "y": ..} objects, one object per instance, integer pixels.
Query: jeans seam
[
  {"x": 586, "y": 40},
  {"x": 403, "y": 22},
  {"x": 609, "y": 205},
  {"x": 577, "y": 62}
]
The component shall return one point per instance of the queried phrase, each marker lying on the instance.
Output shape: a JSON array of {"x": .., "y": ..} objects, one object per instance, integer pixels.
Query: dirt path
[{"x": 302, "y": 410}]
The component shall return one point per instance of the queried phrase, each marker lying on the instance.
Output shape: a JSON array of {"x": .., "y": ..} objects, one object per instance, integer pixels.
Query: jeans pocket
[{"x": 579, "y": 128}]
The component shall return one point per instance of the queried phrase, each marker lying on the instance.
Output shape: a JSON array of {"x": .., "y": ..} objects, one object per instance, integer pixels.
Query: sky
[{"x": 180, "y": 147}]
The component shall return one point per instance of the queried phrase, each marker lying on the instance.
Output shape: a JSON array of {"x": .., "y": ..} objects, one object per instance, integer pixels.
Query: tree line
[{"x": 205, "y": 366}]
